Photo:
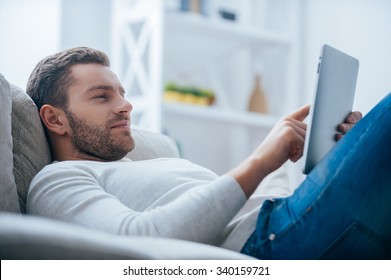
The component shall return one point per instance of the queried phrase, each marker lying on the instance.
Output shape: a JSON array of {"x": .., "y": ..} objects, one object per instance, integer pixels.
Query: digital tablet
[{"x": 332, "y": 103}]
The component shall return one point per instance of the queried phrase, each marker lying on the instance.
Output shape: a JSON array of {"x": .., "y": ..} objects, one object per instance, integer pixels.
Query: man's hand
[
  {"x": 350, "y": 121},
  {"x": 285, "y": 141}
]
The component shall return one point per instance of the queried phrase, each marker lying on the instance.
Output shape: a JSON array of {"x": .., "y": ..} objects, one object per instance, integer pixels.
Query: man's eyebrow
[
  {"x": 100, "y": 87},
  {"x": 104, "y": 87}
]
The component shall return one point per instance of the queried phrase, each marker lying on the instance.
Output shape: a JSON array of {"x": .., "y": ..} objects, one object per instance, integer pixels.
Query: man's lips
[{"x": 121, "y": 124}]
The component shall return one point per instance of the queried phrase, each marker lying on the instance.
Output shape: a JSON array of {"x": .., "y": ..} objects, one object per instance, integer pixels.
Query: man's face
[{"x": 98, "y": 114}]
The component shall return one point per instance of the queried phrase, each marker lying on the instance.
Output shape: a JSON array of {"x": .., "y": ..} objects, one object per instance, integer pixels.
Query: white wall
[
  {"x": 360, "y": 28},
  {"x": 33, "y": 29},
  {"x": 86, "y": 23},
  {"x": 29, "y": 31}
]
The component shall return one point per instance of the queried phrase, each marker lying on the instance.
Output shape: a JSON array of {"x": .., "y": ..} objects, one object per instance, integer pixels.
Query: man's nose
[{"x": 123, "y": 106}]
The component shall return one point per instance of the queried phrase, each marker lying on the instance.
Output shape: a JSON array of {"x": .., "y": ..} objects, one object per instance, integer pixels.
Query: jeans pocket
[
  {"x": 358, "y": 242},
  {"x": 258, "y": 244}
]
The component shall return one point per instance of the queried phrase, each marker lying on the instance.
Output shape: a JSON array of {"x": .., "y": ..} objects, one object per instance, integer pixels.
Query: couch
[{"x": 24, "y": 151}]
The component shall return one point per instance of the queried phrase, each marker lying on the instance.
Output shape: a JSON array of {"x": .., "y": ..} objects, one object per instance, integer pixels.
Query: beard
[{"x": 96, "y": 141}]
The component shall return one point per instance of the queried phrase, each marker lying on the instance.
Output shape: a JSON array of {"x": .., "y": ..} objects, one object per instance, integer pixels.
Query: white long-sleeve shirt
[{"x": 163, "y": 197}]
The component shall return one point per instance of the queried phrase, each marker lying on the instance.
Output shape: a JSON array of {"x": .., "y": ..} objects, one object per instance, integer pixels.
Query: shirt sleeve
[{"x": 73, "y": 195}]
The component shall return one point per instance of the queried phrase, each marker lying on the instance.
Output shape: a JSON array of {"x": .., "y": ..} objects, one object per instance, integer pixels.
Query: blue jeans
[{"x": 342, "y": 210}]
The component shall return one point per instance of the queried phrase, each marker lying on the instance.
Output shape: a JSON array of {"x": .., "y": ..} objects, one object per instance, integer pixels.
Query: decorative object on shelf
[
  {"x": 189, "y": 95},
  {"x": 239, "y": 12},
  {"x": 195, "y": 6},
  {"x": 228, "y": 15},
  {"x": 257, "y": 102}
]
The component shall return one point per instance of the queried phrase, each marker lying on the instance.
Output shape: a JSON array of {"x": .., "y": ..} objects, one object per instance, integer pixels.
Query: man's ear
[{"x": 54, "y": 119}]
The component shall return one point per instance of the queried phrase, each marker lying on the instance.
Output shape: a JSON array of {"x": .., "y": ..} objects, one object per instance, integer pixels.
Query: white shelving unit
[
  {"x": 249, "y": 119},
  {"x": 194, "y": 23},
  {"x": 198, "y": 51},
  {"x": 209, "y": 52},
  {"x": 224, "y": 56}
]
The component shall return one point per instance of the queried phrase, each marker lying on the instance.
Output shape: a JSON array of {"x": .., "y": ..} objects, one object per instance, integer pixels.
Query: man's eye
[{"x": 102, "y": 96}]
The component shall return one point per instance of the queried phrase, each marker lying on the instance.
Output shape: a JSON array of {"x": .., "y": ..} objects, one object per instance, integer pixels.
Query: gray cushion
[
  {"x": 8, "y": 195},
  {"x": 30, "y": 147}
]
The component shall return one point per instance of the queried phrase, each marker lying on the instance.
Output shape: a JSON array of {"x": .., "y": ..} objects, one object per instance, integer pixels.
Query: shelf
[
  {"x": 221, "y": 29},
  {"x": 221, "y": 115},
  {"x": 220, "y": 55}
]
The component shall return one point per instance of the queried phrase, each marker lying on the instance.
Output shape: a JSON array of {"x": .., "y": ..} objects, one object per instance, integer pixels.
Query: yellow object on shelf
[
  {"x": 188, "y": 95},
  {"x": 173, "y": 96}
]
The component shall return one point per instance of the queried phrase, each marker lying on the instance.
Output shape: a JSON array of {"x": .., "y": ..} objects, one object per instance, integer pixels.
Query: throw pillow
[{"x": 30, "y": 146}]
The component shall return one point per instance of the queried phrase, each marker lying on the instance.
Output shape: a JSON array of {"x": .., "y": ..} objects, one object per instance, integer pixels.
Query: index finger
[{"x": 301, "y": 113}]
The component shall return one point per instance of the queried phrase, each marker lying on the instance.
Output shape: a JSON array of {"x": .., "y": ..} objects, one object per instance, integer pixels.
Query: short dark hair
[{"x": 50, "y": 79}]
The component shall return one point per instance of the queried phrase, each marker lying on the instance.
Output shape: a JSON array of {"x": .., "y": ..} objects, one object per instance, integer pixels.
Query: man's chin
[
  {"x": 130, "y": 146},
  {"x": 116, "y": 156}
]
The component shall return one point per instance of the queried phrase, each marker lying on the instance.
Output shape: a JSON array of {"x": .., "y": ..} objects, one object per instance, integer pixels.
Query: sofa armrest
[{"x": 30, "y": 237}]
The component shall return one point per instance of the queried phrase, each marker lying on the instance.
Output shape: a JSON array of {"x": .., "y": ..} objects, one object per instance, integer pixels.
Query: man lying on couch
[{"x": 341, "y": 210}]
